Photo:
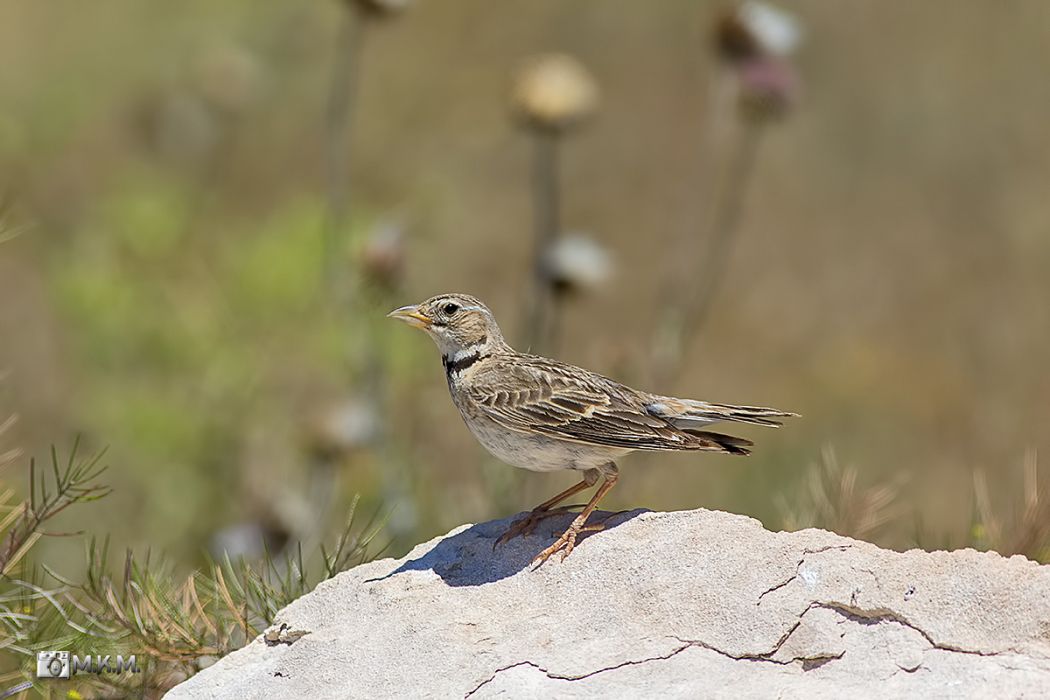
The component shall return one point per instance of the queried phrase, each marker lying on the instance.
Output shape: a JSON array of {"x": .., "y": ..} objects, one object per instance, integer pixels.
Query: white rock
[{"x": 687, "y": 604}]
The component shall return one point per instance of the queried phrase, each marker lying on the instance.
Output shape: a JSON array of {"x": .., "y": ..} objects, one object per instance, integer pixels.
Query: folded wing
[{"x": 571, "y": 404}]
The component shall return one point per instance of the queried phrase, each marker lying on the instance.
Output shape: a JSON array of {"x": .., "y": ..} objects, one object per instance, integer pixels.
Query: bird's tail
[
  {"x": 686, "y": 413},
  {"x": 720, "y": 442}
]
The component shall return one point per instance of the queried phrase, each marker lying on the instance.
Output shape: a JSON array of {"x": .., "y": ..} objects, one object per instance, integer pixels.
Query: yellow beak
[{"x": 410, "y": 315}]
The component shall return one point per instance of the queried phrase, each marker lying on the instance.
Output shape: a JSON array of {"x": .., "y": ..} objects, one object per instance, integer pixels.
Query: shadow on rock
[{"x": 467, "y": 558}]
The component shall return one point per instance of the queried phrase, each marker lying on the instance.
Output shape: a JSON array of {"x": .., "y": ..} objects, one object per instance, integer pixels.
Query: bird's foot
[
  {"x": 567, "y": 542},
  {"x": 525, "y": 525}
]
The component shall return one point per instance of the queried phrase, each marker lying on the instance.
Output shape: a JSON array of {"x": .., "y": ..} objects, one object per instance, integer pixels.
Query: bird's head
[{"x": 458, "y": 323}]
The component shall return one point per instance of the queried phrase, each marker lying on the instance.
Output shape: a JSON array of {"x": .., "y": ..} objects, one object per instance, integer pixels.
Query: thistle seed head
[{"x": 554, "y": 92}]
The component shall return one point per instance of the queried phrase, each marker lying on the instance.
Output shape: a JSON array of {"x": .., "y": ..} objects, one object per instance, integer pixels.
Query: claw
[
  {"x": 567, "y": 542},
  {"x": 527, "y": 524}
]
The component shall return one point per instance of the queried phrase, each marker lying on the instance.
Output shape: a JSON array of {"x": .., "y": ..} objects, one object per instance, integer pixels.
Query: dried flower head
[
  {"x": 769, "y": 87},
  {"x": 251, "y": 539},
  {"x": 577, "y": 263},
  {"x": 753, "y": 29},
  {"x": 340, "y": 429},
  {"x": 554, "y": 91},
  {"x": 383, "y": 256},
  {"x": 381, "y": 8}
]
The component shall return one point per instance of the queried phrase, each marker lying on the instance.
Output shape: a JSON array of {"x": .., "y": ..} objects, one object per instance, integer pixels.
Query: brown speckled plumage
[{"x": 544, "y": 415}]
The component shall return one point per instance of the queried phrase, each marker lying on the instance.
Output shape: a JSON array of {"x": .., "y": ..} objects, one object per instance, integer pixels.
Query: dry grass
[
  {"x": 832, "y": 500},
  {"x": 1027, "y": 530},
  {"x": 175, "y": 627},
  {"x": 8, "y": 455}
]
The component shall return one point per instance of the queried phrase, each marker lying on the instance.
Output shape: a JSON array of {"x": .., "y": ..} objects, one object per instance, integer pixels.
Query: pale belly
[{"x": 539, "y": 453}]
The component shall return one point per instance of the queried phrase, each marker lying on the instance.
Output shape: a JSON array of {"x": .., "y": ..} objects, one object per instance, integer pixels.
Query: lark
[{"x": 543, "y": 415}]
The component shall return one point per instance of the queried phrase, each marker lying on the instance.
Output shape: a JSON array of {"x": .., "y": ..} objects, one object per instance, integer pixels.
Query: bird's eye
[{"x": 450, "y": 308}]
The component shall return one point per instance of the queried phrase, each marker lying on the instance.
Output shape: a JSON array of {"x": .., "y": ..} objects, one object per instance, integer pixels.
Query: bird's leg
[
  {"x": 528, "y": 523},
  {"x": 567, "y": 541}
]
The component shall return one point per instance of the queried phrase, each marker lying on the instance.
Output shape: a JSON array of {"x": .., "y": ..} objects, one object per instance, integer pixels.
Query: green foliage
[
  {"x": 275, "y": 272},
  {"x": 185, "y": 339}
]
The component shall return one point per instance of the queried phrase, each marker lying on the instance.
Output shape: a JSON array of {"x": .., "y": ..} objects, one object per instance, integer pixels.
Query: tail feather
[
  {"x": 725, "y": 443},
  {"x": 683, "y": 412}
]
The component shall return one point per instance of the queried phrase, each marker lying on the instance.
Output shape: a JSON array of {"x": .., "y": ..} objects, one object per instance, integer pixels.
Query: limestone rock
[{"x": 686, "y": 604}]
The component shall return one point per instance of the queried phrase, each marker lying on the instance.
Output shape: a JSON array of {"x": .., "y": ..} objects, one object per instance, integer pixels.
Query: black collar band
[{"x": 457, "y": 366}]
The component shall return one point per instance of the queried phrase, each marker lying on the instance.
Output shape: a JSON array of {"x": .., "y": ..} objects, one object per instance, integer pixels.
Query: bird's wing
[{"x": 536, "y": 395}]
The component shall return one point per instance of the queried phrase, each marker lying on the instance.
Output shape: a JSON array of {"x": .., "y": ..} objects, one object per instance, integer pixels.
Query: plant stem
[
  {"x": 542, "y": 304},
  {"x": 697, "y": 200},
  {"x": 699, "y": 190},
  {"x": 683, "y": 322},
  {"x": 346, "y": 72},
  {"x": 725, "y": 228}
]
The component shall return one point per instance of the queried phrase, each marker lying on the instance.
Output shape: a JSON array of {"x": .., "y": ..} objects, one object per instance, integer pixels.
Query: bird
[{"x": 543, "y": 415}]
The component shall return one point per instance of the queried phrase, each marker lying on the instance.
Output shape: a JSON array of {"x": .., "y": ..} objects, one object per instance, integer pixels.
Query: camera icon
[{"x": 52, "y": 664}]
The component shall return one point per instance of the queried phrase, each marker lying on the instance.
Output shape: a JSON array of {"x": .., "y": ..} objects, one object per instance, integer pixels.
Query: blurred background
[{"x": 832, "y": 208}]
